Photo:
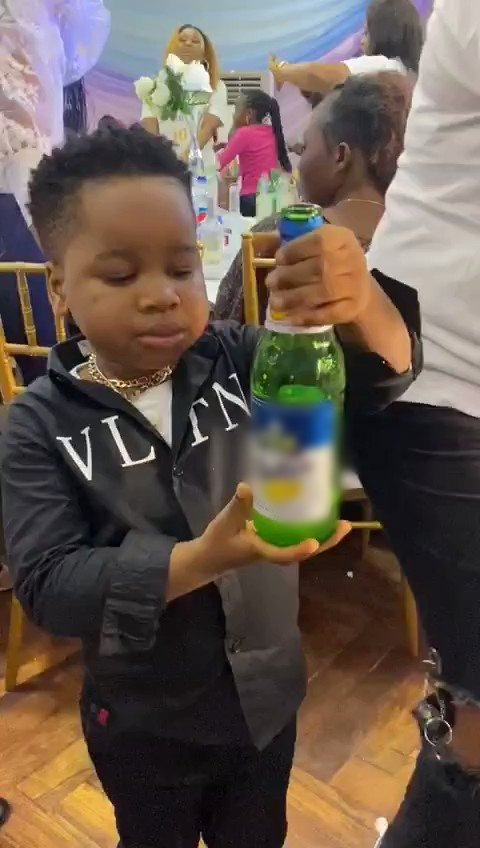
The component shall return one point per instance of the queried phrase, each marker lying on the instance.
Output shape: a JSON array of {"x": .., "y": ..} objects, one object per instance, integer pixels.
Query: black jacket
[{"x": 94, "y": 501}]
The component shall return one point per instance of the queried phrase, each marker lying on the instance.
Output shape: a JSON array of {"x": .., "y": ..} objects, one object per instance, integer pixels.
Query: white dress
[
  {"x": 44, "y": 45},
  {"x": 374, "y": 65}
]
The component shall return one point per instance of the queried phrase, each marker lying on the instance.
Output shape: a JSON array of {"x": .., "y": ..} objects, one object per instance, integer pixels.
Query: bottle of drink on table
[
  {"x": 298, "y": 383},
  {"x": 264, "y": 198},
  {"x": 200, "y": 198},
  {"x": 211, "y": 236}
]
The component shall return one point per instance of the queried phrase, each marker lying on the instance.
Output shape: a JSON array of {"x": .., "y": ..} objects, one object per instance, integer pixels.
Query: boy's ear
[{"x": 55, "y": 289}]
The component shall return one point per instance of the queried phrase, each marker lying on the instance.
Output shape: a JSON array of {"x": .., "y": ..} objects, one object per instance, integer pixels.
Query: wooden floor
[{"x": 356, "y": 746}]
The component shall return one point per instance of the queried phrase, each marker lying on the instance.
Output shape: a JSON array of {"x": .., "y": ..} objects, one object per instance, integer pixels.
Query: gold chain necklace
[
  {"x": 127, "y": 388},
  {"x": 360, "y": 200}
]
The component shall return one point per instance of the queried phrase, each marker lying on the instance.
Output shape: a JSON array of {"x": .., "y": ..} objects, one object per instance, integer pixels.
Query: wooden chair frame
[
  {"x": 251, "y": 261},
  {"x": 9, "y": 389}
]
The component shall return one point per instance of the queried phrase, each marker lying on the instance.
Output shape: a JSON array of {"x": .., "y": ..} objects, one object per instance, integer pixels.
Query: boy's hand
[
  {"x": 230, "y": 542},
  {"x": 321, "y": 278},
  {"x": 231, "y": 539}
]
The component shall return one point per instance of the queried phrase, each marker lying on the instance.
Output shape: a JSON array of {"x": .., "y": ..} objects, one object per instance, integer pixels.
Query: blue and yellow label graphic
[{"x": 293, "y": 461}]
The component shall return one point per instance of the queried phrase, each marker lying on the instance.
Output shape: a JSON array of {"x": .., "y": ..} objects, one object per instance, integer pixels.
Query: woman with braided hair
[{"x": 257, "y": 140}]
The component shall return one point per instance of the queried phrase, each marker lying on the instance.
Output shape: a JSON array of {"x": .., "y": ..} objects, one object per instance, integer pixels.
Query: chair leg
[
  {"x": 14, "y": 644},
  {"x": 367, "y": 515},
  {"x": 411, "y": 619}
]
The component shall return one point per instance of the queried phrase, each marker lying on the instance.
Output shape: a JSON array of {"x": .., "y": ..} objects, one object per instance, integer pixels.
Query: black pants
[
  {"x": 440, "y": 810},
  {"x": 248, "y": 205},
  {"x": 421, "y": 467},
  {"x": 167, "y": 794}
]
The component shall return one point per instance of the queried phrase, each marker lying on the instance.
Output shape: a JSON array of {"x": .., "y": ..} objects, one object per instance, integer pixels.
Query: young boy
[{"x": 124, "y": 525}]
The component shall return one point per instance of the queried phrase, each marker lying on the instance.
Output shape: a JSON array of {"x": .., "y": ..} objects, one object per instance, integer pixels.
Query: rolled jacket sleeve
[
  {"x": 66, "y": 584},
  {"x": 372, "y": 384}
]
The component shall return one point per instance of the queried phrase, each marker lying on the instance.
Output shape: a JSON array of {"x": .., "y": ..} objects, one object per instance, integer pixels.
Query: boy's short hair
[{"x": 108, "y": 152}]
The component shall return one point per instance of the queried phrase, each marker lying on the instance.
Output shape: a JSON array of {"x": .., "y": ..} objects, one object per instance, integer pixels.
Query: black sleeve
[
  {"x": 371, "y": 383},
  {"x": 68, "y": 587}
]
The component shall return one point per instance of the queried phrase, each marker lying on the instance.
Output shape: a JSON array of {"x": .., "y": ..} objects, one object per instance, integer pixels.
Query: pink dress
[{"x": 256, "y": 148}]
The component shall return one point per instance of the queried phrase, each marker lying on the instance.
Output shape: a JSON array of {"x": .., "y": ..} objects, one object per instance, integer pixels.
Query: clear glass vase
[{"x": 195, "y": 157}]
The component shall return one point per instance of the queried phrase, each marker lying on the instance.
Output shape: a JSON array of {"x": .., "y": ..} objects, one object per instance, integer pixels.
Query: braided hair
[{"x": 263, "y": 107}]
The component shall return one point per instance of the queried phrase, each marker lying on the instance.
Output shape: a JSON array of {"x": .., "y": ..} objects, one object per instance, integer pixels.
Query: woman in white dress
[
  {"x": 392, "y": 41},
  {"x": 190, "y": 44},
  {"x": 45, "y": 45}
]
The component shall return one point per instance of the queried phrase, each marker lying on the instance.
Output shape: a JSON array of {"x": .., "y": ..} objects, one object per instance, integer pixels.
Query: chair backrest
[
  {"x": 9, "y": 386},
  {"x": 253, "y": 288}
]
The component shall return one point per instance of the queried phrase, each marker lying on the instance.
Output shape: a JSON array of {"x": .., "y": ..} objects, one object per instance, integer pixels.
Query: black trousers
[
  {"x": 167, "y": 794},
  {"x": 421, "y": 467},
  {"x": 248, "y": 205}
]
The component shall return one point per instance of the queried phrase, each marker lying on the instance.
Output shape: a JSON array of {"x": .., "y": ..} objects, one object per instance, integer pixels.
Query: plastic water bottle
[
  {"x": 298, "y": 382},
  {"x": 234, "y": 197},
  {"x": 264, "y": 198},
  {"x": 200, "y": 198},
  {"x": 285, "y": 192},
  {"x": 211, "y": 235}
]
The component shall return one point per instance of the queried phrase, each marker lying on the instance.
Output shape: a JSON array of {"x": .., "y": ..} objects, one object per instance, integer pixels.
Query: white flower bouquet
[{"x": 177, "y": 89}]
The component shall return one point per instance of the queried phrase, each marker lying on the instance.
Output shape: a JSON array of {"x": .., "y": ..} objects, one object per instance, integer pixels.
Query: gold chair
[
  {"x": 10, "y": 387},
  {"x": 255, "y": 294}
]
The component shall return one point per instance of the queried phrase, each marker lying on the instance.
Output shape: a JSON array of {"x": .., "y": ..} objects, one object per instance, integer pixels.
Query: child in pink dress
[{"x": 258, "y": 142}]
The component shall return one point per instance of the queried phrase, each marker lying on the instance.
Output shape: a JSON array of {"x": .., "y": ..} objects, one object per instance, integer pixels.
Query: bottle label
[{"x": 293, "y": 461}]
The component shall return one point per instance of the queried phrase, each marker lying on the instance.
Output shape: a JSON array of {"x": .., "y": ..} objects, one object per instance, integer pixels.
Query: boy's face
[{"x": 131, "y": 275}]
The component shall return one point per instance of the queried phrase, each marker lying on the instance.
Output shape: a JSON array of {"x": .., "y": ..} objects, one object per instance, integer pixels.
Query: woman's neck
[
  {"x": 359, "y": 191},
  {"x": 360, "y": 210}
]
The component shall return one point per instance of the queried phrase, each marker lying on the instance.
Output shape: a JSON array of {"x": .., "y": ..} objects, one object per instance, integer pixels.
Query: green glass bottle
[{"x": 298, "y": 383}]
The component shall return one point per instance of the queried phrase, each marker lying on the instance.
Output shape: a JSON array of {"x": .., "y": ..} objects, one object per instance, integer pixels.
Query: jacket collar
[{"x": 190, "y": 375}]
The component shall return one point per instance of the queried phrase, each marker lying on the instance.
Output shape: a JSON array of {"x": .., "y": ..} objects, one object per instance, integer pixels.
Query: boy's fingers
[
  {"x": 241, "y": 504},
  {"x": 233, "y": 518},
  {"x": 285, "y": 556},
  {"x": 244, "y": 493},
  {"x": 343, "y": 529},
  {"x": 303, "y": 551}
]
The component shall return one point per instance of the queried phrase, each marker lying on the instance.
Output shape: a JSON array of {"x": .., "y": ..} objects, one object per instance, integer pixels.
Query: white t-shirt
[
  {"x": 429, "y": 236},
  {"x": 156, "y": 405},
  {"x": 178, "y": 132},
  {"x": 373, "y": 65}
]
